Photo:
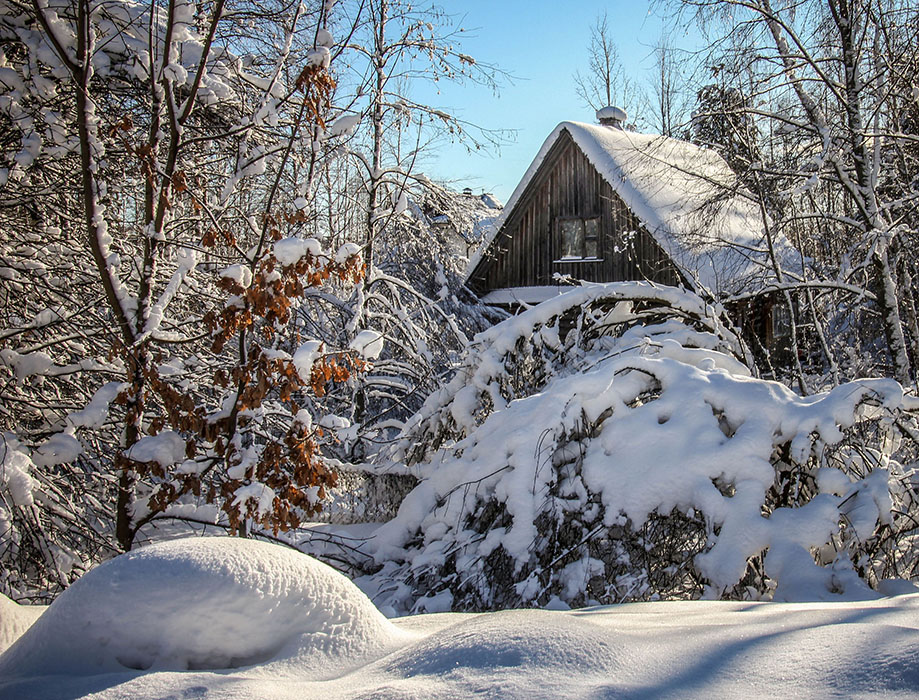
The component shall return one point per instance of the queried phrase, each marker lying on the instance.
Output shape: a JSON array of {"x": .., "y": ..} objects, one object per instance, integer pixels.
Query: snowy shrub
[
  {"x": 415, "y": 342},
  {"x": 635, "y": 457},
  {"x": 47, "y": 536}
]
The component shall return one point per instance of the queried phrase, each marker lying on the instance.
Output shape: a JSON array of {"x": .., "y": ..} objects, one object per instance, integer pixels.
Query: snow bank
[
  {"x": 15, "y": 619},
  {"x": 203, "y": 603}
]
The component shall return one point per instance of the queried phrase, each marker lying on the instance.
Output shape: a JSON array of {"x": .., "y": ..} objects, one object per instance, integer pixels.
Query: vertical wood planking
[{"x": 567, "y": 184}]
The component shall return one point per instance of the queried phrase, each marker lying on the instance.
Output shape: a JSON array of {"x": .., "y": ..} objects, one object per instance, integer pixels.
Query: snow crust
[
  {"x": 688, "y": 199},
  {"x": 203, "y": 603}
]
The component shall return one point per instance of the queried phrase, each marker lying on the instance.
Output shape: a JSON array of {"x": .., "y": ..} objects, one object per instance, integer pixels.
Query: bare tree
[
  {"x": 605, "y": 83},
  {"x": 668, "y": 96},
  {"x": 827, "y": 82}
]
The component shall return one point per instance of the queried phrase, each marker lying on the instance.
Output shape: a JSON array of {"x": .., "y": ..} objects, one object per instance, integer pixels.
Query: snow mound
[
  {"x": 15, "y": 619},
  {"x": 203, "y": 603},
  {"x": 518, "y": 639}
]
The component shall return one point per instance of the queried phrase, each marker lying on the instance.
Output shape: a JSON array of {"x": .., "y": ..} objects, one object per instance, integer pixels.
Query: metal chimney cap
[{"x": 612, "y": 116}]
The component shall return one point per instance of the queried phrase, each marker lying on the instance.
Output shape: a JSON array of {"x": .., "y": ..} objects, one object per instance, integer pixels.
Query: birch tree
[{"x": 381, "y": 136}]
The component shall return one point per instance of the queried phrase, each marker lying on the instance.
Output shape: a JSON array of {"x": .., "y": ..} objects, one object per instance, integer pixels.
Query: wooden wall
[{"x": 526, "y": 250}]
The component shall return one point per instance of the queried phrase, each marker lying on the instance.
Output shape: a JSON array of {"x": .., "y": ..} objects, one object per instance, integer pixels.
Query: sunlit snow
[{"x": 232, "y": 618}]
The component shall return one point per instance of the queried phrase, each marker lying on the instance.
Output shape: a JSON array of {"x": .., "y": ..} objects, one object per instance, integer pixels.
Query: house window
[
  {"x": 579, "y": 238},
  {"x": 781, "y": 321}
]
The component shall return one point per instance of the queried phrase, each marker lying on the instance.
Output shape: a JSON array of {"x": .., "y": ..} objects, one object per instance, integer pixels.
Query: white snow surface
[
  {"x": 686, "y": 196},
  {"x": 368, "y": 343},
  {"x": 203, "y": 603},
  {"x": 15, "y": 619},
  {"x": 267, "y": 622}
]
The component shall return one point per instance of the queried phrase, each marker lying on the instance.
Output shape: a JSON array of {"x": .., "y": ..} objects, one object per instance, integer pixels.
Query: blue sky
[{"x": 541, "y": 44}]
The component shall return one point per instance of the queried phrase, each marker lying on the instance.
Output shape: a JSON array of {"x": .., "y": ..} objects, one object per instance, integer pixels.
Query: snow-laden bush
[
  {"x": 638, "y": 458},
  {"x": 46, "y": 539}
]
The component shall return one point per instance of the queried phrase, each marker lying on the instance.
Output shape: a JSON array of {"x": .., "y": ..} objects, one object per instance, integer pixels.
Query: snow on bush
[
  {"x": 165, "y": 448},
  {"x": 368, "y": 343},
  {"x": 203, "y": 603},
  {"x": 638, "y": 458},
  {"x": 289, "y": 251}
]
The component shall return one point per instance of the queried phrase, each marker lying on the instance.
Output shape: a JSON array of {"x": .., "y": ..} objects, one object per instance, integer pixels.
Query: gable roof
[{"x": 688, "y": 199}]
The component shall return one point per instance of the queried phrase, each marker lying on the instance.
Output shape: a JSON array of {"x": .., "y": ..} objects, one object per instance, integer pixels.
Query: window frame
[
  {"x": 585, "y": 240},
  {"x": 780, "y": 321}
]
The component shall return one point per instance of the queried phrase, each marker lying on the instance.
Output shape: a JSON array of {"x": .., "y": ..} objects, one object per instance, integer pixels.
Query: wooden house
[{"x": 601, "y": 204}]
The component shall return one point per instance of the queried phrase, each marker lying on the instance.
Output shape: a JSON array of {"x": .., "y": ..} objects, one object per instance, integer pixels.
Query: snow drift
[
  {"x": 15, "y": 619},
  {"x": 699, "y": 649},
  {"x": 203, "y": 603},
  {"x": 306, "y": 632}
]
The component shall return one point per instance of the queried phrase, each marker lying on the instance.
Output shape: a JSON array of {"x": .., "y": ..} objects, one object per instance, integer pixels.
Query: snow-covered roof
[
  {"x": 490, "y": 201},
  {"x": 686, "y": 196},
  {"x": 524, "y": 295}
]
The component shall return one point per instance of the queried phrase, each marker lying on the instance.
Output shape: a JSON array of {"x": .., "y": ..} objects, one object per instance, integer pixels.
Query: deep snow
[{"x": 296, "y": 629}]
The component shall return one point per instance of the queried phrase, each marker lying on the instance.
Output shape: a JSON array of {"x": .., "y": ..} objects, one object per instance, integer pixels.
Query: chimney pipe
[{"x": 612, "y": 116}]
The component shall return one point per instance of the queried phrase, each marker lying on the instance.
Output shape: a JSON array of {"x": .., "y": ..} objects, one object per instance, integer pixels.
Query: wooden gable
[{"x": 527, "y": 251}]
